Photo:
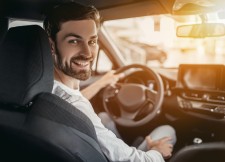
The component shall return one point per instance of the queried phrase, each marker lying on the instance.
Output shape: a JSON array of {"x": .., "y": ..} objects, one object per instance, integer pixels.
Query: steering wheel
[{"x": 136, "y": 104}]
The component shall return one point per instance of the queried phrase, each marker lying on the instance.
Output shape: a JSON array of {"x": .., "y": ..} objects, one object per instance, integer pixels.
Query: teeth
[{"x": 82, "y": 63}]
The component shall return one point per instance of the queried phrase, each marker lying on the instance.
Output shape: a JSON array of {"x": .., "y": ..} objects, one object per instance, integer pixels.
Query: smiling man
[
  {"x": 74, "y": 51},
  {"x": 73, "y": 30}
]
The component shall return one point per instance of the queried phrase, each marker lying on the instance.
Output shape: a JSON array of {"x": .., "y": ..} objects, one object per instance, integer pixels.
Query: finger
[
  {"x": 115, "y": 79},
  {"x": 112, "y": 71},
  {"x": 165, "y": 139},
  {"x": 149, "y": 141},
  {"x": 171, "y": 147},
  {"x": 167, "y": 156},
  {"x": 121, "y": 75}
]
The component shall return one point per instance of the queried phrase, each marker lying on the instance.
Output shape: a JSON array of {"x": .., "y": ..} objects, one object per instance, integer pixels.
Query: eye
[
  {"x": 93, "y": 42},
  {"x": 74, "y": 41}
]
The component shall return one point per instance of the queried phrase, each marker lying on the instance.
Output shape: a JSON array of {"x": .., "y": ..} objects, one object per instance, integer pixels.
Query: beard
[{"x": 67, "y": 69}]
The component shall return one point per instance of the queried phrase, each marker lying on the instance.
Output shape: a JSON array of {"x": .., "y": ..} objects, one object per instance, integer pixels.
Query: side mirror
[{"x": 201, "y": 30}]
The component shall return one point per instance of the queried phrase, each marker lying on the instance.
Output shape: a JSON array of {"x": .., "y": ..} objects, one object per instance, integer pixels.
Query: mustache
[{"x": 84, "y": 58}]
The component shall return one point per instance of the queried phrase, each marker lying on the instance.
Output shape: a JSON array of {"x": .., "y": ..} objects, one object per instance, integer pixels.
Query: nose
[{"x": 86, "y": 50}]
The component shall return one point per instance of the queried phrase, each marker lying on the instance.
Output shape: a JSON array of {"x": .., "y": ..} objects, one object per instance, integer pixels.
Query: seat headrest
[{"x": 26, "y": 67}]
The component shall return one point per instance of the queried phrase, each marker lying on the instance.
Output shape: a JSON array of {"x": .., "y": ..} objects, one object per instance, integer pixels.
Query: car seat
[
  {"x": 36, "y": 125},
  {"x": 206, "y": 152}
]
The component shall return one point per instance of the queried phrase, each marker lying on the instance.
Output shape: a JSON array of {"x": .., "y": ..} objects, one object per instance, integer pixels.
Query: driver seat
[{"x": 36, "y": 125}]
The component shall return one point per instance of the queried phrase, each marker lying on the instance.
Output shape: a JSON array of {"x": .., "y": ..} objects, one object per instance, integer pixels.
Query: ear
[{"x": 52, "y": 45}]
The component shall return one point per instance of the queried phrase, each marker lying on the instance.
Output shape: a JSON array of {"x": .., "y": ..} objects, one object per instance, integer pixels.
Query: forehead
[{"x": 84, "y": 28}]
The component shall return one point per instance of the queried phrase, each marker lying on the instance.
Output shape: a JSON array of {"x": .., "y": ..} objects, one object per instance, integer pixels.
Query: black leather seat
[
  {"x": 206, "y": 152},
  {"x": 35, "y": 125}
]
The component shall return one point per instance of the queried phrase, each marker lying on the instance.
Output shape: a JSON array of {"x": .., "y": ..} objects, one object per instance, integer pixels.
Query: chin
[{"x": 83, "y": 75}]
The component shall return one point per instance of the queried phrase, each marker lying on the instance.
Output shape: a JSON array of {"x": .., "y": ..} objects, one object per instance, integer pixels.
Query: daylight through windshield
[{"x": 152, "y": 40}]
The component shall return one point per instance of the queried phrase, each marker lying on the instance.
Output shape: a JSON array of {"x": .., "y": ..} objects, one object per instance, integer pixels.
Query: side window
[{"x": 103, "y": 63}]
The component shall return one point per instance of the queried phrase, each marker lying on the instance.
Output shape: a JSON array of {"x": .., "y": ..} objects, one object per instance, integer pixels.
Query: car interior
[{"x": 36, "y": 125}]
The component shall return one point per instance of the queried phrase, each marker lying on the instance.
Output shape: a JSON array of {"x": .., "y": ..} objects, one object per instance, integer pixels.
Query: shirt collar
[{"x": 66, "y": 88}]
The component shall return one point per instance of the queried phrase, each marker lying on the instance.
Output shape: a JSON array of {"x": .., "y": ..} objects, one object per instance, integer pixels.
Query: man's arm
[{"x": 107, "y": 79}]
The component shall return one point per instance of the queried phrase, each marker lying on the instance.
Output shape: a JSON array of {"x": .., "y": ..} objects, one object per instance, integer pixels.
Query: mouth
[{"x": 81, "y": 64}]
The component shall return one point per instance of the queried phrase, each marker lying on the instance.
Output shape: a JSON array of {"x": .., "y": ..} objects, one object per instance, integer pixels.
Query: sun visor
[{"x": 189, "y": 7}]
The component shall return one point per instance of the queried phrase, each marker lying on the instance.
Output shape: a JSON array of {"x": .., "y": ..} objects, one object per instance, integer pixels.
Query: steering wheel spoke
[
  {"x": 151, "y": 96},
  {"x": 145, "y": 108},
  {"x": 128, "y": 115}
]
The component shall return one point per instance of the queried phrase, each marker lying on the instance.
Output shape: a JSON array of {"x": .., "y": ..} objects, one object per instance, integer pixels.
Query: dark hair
[{"x": 66, "y": 12}]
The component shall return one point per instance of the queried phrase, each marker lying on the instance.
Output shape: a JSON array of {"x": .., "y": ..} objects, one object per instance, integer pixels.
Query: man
[{"x": 73, "y": 36}]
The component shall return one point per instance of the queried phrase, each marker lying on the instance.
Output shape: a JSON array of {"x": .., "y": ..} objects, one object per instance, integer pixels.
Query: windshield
[{"x": 152, "y": 41}]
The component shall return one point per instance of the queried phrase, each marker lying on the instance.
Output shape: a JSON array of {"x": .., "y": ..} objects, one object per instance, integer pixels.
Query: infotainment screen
[{"x": 200, "y": 77}]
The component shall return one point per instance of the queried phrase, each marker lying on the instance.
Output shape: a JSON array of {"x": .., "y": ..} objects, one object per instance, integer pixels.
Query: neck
[{"x": 65, "y": 79}]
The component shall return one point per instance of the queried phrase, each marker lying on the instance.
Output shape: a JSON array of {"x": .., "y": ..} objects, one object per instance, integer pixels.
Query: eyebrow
[{"x": 78, "y": 36}]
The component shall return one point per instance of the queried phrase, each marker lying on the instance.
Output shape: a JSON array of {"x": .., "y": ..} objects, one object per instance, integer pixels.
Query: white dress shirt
[{"x": 114, "y": 148}]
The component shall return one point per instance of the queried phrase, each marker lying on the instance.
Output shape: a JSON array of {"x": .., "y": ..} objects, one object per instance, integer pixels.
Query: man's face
[{"x": 76, "y": 48}]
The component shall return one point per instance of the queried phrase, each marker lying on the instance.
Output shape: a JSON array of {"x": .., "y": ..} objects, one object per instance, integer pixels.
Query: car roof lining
[
  {"x": 34, "y": 9},
  {"x": 143, "y": 8}
]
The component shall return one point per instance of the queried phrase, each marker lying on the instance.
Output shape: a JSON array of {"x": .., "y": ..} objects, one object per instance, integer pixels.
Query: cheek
[
  {"x": 95, "y": 51},
  {"x": 66, "y": 52}
]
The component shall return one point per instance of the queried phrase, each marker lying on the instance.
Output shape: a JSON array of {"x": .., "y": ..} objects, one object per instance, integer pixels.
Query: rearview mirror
[{"x": 201, "y": 30}]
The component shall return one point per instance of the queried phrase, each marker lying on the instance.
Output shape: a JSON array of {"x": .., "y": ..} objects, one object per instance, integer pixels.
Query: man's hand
[
  {"x": 110, "y": 78},
  {"x": 162, "y": 145}
]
